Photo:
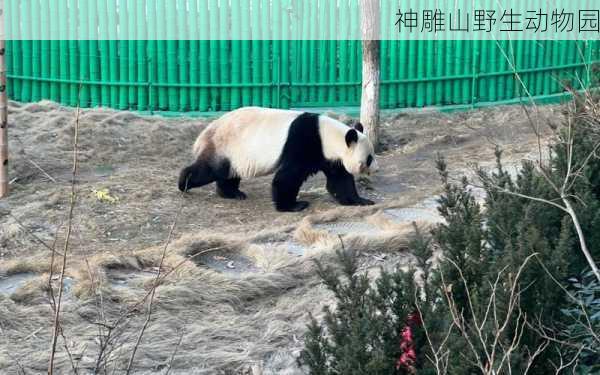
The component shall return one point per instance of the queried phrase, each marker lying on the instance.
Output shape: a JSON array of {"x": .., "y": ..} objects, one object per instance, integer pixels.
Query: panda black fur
[{"x": 251, "y": 142}]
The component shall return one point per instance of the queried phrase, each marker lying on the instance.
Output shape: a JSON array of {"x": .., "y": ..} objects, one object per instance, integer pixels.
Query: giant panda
[{"x": 251, "y": 142}]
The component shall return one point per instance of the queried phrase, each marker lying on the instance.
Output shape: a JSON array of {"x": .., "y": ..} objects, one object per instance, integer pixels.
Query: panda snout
[
  {"x": 363, "y": 169},
  {"x": 184, "y": 179},
  {"x": 374, "y": 167}
]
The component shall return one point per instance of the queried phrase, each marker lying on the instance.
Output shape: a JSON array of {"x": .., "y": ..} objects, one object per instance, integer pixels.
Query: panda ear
[
  {"x": 351, "y": 137},
  {"x": 358, "y": 126}
]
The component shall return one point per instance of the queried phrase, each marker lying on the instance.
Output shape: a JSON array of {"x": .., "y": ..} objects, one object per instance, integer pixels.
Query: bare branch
[
  {"x": 497, "y": 354},
  {"x": 175, "y": 352},
  {"x": 73, "y": 194},
  {"x": 155, "y": 285}
]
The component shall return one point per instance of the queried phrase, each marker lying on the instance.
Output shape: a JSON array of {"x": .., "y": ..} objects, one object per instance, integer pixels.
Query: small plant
[{"x": 374, "y": 329}]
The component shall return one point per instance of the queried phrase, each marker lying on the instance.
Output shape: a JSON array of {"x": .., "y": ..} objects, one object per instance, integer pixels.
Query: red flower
[{"x": 407, "y": 346}]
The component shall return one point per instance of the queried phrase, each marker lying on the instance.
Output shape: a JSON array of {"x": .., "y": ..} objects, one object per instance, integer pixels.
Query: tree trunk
[
  {"x": 371, "y": 73},
  {"x": 3, "y": 111}
]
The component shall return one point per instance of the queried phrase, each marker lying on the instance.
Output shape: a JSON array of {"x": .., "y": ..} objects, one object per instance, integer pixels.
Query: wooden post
[
  {"x": 371, "y": 73},
  {"x": 3, "y": 110}
]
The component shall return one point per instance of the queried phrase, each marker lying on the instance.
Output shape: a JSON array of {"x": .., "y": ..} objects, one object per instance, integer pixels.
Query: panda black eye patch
[{"x": 369, "y": 160}]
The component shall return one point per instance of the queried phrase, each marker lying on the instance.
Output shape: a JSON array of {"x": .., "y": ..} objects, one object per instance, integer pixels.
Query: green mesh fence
[{"x": 219, "y": 75}]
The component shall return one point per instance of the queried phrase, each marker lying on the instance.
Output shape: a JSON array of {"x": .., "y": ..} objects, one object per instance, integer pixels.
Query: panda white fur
[{"x": 251, "y": 142}]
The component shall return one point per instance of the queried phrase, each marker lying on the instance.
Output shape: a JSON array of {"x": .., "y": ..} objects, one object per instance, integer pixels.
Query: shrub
[
  {"x": 363, "y": 335},
  {"x": 583, "y": 329},
  {"x": 495, "y": 303}
]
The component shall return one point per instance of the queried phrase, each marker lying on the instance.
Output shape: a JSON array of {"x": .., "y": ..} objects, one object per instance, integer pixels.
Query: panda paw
[
  {"x": 297, "y": 207},
  {"x": 237, "y": 194},
  {"x": 240, "y": 195},
  {"x": 356, "y": 202},
  {"x": 364, "y": 202}
]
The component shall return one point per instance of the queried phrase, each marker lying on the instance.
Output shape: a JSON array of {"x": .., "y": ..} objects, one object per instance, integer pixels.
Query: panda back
[{"x": 252, "y": 139}]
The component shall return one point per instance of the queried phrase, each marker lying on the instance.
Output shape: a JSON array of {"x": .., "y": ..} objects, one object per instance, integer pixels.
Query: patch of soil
[
  {"x": 10, "y": 284},
  {"x": 129, "y": 280},
  {"x": 229, "y": 263},
  {"x": 348, "y": 227},
  {"x": 293, "y": 248},
  {"x": 413, "y": 214}
]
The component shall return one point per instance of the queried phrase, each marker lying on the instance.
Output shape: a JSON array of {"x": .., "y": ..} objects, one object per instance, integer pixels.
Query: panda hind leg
[{"x": 230, "y": 189}]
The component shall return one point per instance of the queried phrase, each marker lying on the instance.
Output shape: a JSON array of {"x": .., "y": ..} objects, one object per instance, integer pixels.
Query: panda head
[{"x": 359, "y": 158}]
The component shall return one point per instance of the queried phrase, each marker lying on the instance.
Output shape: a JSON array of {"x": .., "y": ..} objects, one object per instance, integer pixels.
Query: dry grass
[
  {"x": 26, "y": 265},
  {"x": 34, "y": 291},
  {"x": 226, "y": 320}
]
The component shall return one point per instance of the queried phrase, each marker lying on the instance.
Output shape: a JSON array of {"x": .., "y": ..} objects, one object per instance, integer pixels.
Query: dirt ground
[{"x": 241, "y": 306}]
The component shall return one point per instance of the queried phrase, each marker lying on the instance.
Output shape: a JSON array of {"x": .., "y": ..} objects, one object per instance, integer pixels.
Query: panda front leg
[
  {"x": 230, "y": 189},
  {"x": 285, "y": 188},
  {"x": 340, "y": 184}
]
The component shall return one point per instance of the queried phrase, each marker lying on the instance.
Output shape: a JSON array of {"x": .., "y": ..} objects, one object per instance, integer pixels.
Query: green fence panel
[
  {"x": 13, "y": 56},
  {"x": 331, "y": 52},
  {"x": 55, "y": 53},
  {"x": 236, "y": 54},
  {"x": 63, "y": 46},
  {"x": 224, "y": 60},
  {"x": 27, "y": 47},
  {"x": 94, "y": 55},
  {"x": 152, "y": 56},
  {"x": 257, "y": 62},
  {"x": 276, "y": 53},
  {"x": 10, "y": 90},
  {"x": 303, "y": 53},
  {"x": 84, "y": 64},
  {"x": 294, "y": 49},
  {"x": 113, "y": 51},
  {"x": 356, "y": 58},
  {"x": 218, "y": 75},
  {"x": 266, "y": 62},
  {"x": 344, "y": 51},
  {"x": 142, "y": 56},
  {"x": 104, "y": 52},
  {"x": 461, "y": 72},
  {"x": 37, "y": 20},
  {"x": 132, "y": 56},
  {"x": 203, "y": 59},
  {"x": 285, "y": 92},
  {"x": 421, "y": 100},
  {"x": 161, "y": 61},
  {"x": 193, "y": 60},
  {"x": 73, "y": 73},
  {"x": 214, "y": 55}
]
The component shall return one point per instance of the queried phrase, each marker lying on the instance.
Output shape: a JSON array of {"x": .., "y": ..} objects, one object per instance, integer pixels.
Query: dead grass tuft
[
  {"x": 32, "y": 292},
  {"x": 26, "y": 265}
]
